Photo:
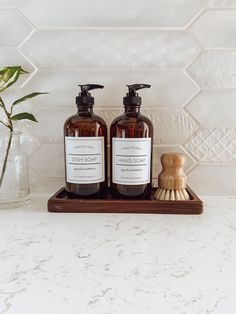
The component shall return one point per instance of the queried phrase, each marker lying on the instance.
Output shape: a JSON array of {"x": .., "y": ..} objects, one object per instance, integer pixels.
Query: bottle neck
[
  {"x": 132, "y": 109},
  {"x": 85, "y": 109}
]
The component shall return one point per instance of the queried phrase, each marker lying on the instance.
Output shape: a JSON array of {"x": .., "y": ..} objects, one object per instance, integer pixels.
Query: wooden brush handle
[{"x": 172, "y": 176}]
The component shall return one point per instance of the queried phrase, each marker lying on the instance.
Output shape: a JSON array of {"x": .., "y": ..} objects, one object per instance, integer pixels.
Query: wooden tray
[{"x": 61, "y": 203}]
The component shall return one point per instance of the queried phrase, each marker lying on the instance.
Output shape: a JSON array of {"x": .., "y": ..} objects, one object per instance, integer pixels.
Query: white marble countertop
[{"x": 118, "y": 264}]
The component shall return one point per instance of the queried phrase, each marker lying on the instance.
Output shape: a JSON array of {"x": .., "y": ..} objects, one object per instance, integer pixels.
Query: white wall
[{"x": 184, "y": 48}]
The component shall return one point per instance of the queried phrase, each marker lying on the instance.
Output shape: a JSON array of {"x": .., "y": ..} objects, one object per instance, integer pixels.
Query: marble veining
[{"x": 108, "y": 263}]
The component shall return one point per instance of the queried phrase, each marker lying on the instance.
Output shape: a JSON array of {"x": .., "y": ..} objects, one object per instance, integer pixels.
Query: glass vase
[{"x": 14, "y": 184}]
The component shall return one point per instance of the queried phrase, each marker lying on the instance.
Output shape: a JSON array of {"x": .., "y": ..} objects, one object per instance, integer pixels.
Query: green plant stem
[
  {"x": 6, "y": 158},
  {"x": 10, "y": 127},
  {"x": 4, "y": 109}
]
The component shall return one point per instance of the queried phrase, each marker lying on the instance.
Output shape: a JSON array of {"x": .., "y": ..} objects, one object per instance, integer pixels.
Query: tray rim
[{"x": 193, "y": 206}]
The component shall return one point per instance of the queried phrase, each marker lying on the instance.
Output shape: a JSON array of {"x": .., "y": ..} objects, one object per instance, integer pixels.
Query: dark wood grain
[{"x": 61, "y": 203}]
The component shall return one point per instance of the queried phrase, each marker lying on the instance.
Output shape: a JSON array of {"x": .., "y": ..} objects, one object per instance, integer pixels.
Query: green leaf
[
  {"x": 9, "y": 75},
  {"x": 26, "y": 97},
  {"x": 22, "y": 71},
  {"x": 24, "y": 116}
]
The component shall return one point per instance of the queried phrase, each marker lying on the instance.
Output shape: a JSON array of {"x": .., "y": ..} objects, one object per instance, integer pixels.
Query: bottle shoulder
[
  {"x": 125, "y": 119},
  {"x": 147, "y": 120},
  {"x": 118, "y": 119},
  {"x": 83, "y": 119},
  {"x": 99, "y": 119}
]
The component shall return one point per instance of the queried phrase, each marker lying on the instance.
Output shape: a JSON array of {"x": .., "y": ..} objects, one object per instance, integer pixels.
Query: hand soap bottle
[
  {"x": 131, "y": 149},
  {"x": 85, "y": 148}
]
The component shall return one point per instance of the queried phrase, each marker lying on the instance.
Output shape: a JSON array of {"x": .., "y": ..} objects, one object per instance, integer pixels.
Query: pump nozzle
[
  {"x": 85, "y": 97},
  {"x": 134, "y": 87},
  {"x": 86, "y": 87},
  {"x": 132, "y": 97}
]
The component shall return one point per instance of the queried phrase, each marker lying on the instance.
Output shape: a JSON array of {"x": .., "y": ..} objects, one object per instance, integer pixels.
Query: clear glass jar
[{"x": 14, "y": 183}]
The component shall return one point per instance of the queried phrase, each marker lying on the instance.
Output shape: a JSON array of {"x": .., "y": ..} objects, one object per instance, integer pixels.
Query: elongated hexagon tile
[
  {"x": 17, "y": 28},
  {"x": 213, "y": 145},
  {"x": 116, "y": 49},
  {"x": 220, "y": 3},
  {"x": 220, "y": 30},
  {"x": 49, "y": 128},
  {"x": 169, "y": 88},
  {"x": 9, "y": 3},
  {"x": 48, "y": 161},
  {"x": 171, "y": 127},
  {"x": 159, "y": 150},
  {"x": 214, "y": 69},
  {"x": 213, "y": 180},
  {"x": 121, "y": 13},
  {"x": 214, "y": 107},
  {"x": 9, "y": 56}
]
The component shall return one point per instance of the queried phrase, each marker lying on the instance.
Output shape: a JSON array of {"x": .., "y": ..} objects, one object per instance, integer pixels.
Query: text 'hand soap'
[{"x": 131, "y": 149}]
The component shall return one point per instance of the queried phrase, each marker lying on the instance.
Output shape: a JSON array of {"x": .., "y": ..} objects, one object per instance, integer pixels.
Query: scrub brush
[{"x": 172, "y": 180}]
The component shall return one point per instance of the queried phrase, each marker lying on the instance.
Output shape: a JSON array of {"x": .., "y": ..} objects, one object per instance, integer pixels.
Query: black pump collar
[
  {"x": 85, "y": 98},
  {"x": 132, "y": 98}
]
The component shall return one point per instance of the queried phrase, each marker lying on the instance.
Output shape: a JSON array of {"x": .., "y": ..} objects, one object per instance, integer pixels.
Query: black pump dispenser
[
  {"x": 85, "y": 98},
  {"x": 131, "y": 139},
  {"x": 132, "y": 97},
  {"x": 85, "y": 141}
]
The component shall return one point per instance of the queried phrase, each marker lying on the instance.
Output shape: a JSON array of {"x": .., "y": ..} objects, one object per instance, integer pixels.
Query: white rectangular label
[
  {"x": 84, "y": 159},
  {"x": 131, "y": 160}
]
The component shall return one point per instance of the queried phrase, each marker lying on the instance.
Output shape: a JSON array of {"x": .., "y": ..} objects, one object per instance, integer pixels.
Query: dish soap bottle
[
  {"x": 85, "y": 148},
  {"x": 131, "y": 149}
]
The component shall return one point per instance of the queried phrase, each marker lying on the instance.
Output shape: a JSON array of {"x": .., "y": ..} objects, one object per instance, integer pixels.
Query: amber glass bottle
[
  {"x": 131, "y": 149},
  {"x": 85, "y": 148}
]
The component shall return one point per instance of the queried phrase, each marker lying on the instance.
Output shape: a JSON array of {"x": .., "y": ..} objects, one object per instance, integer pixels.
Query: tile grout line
[
  {"x": 22, "y": 43},
  {"x": 113, "y": 69},
  {"x": 19, "y": 4},
  {"x": 189, "y": 155},
  {"x": 195, "y": 18},
  {"x": 112, "y": 28}
]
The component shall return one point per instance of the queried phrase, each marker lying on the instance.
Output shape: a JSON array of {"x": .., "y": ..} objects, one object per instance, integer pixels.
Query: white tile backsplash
[
  {"x": 107, "y": 13},
  {"x": 214, "y": 107},
  {"x": 213, "y": 145},
  {"x": 110, "y": 49},
  {"x": 13, "y": 27},
  {"x": 49, "y": 128},
  {"x": 171, "y": 126},
  {"x": 213, "y": 179},
  {"x": 220, "y": 3},
  {"x": 172, "y": 87},
  {"x": 9, "y": 3},
  {"x": 220, "y": 31},
  {"x": 11, "y": 57},
  {"x": 185, "y": 49},
  {"x": 215, "y": 69},
  {"x": 48, "y": 160},
  {"x": 39, "y": 184}
]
